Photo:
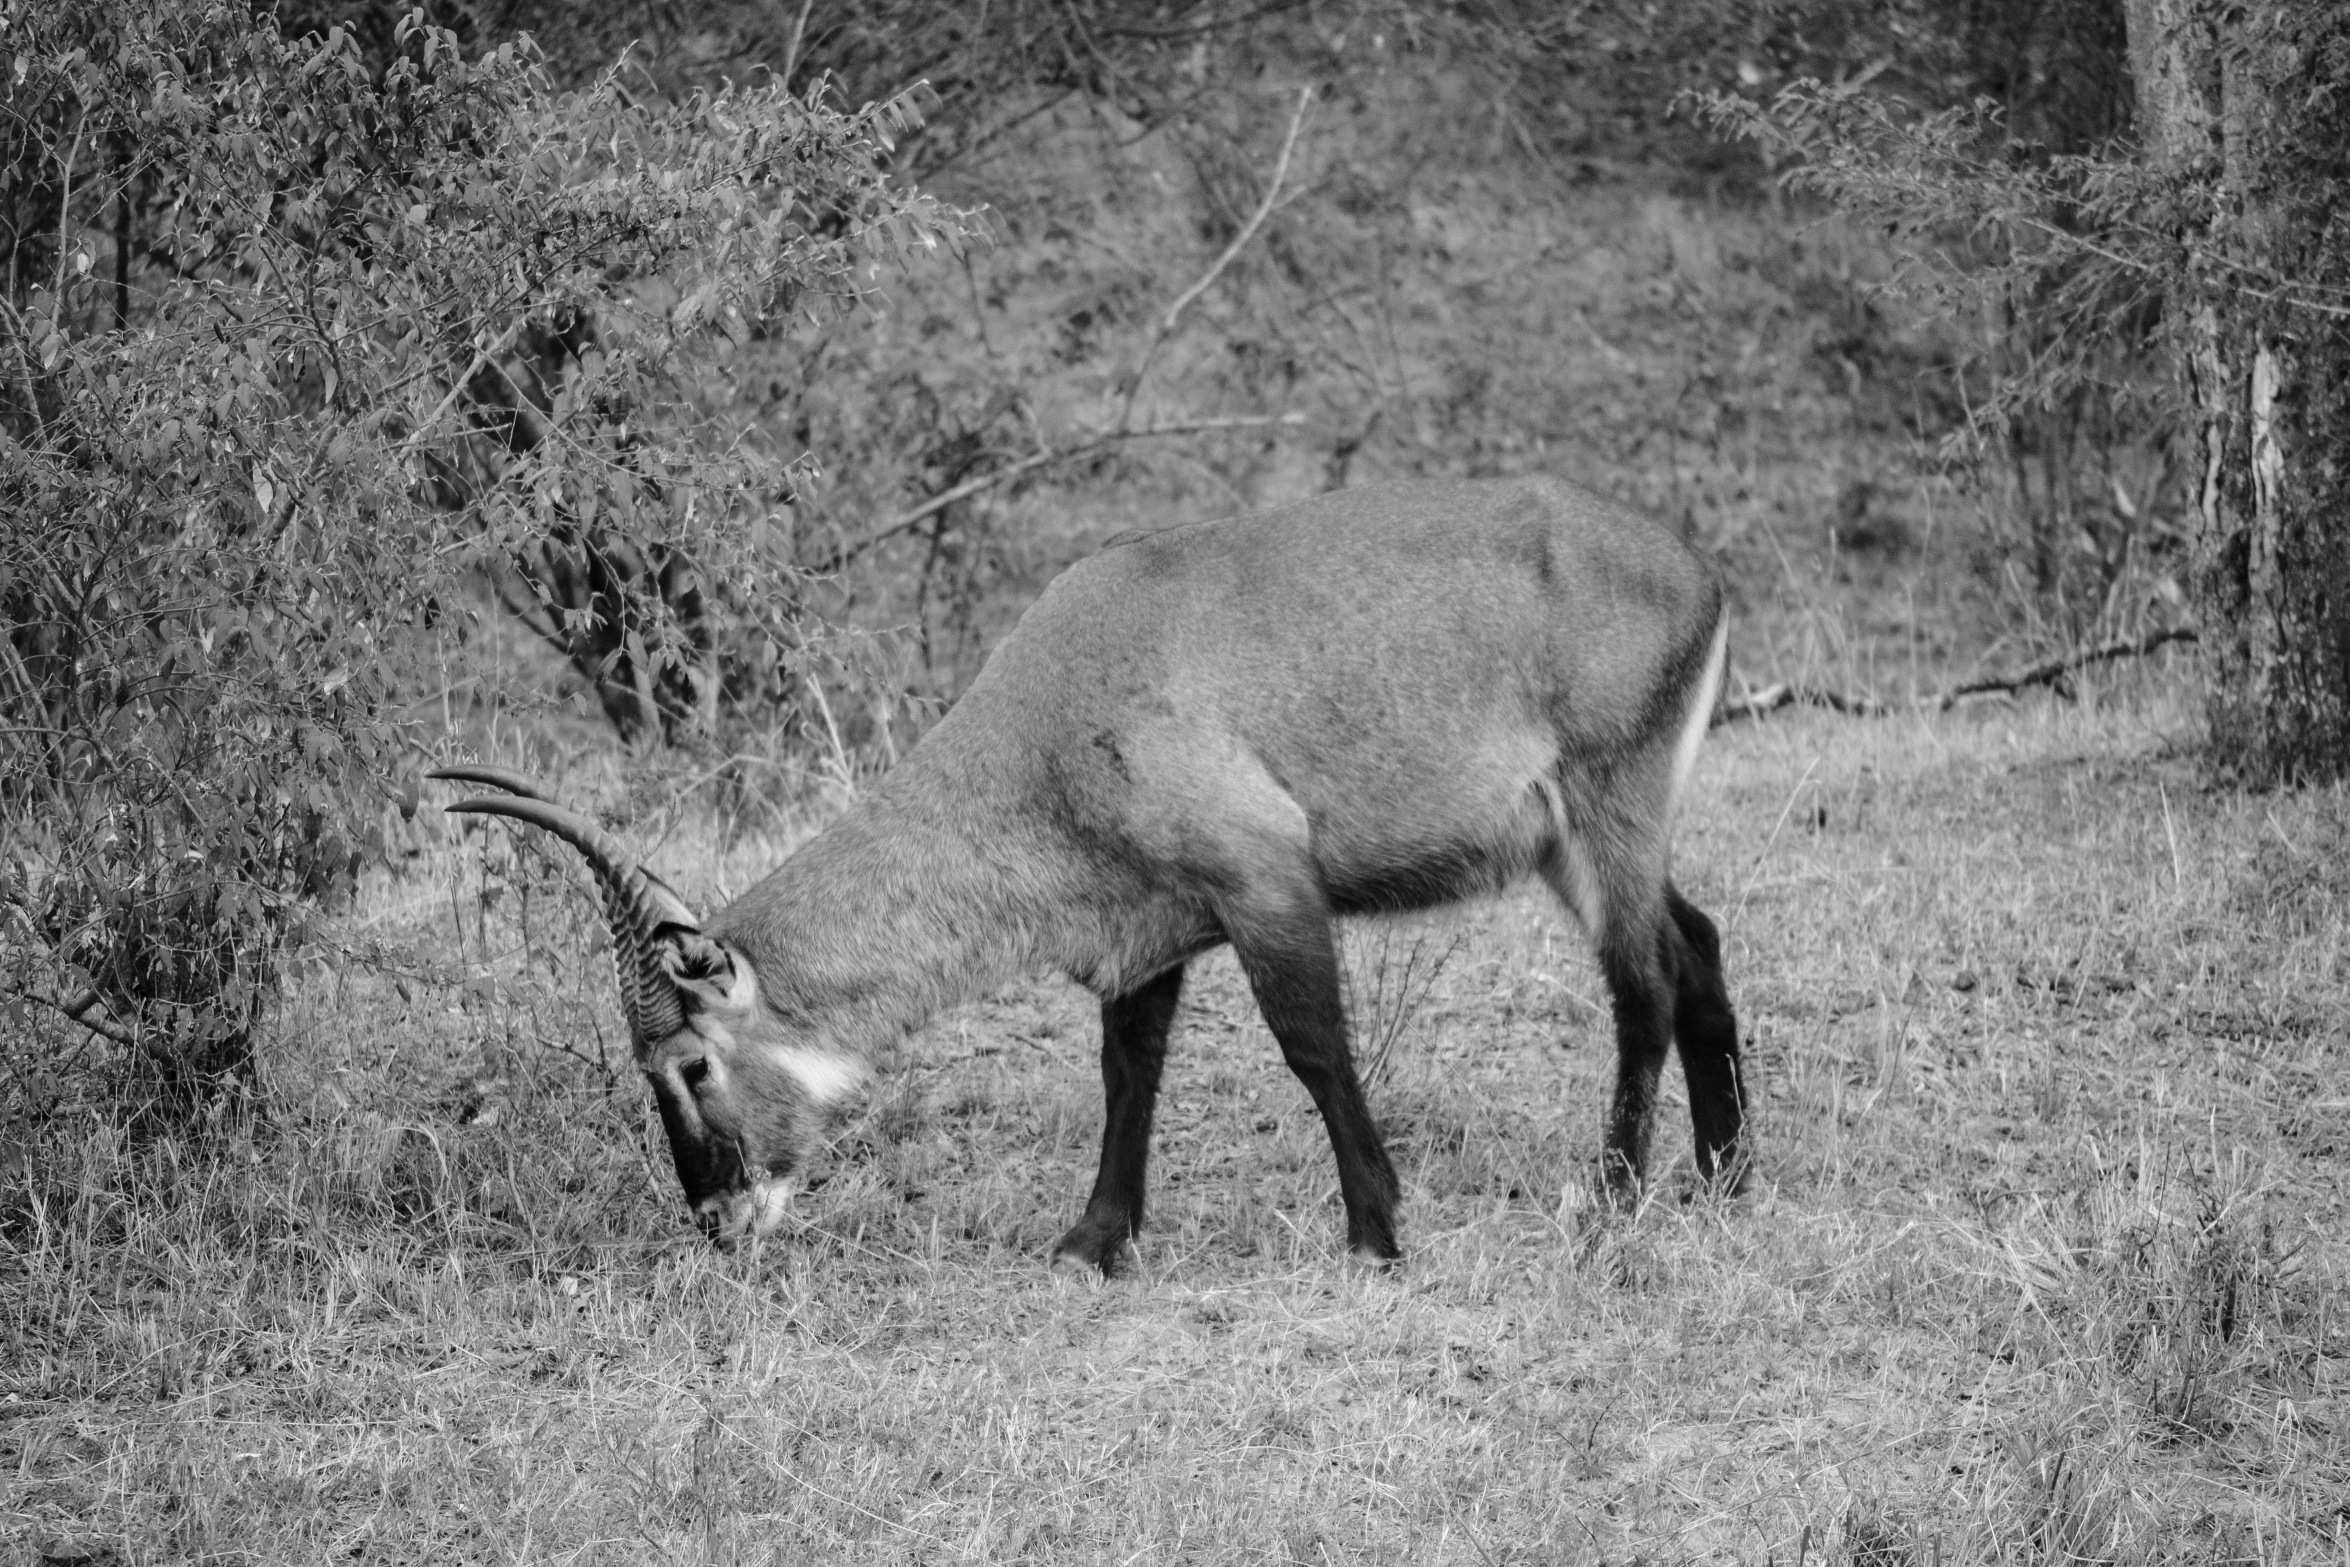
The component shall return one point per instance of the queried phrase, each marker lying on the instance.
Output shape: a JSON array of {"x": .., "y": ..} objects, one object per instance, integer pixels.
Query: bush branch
[
  {"x": 77, "y": 1011},
  {"x": 1029, "y": 464},
  {"x": 1256, "y": 220}
]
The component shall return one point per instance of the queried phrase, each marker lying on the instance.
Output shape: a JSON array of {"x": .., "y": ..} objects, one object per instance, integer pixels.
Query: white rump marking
[
  {"x": 1701, "y": 709},
  {"x": 825, "y": 1078},
  {"x": 1569, "y": 869},
  {"x": 1577, "y": 887}
]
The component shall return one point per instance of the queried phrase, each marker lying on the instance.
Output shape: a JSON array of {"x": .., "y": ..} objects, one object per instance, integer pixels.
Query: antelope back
[{"x": 1419, "y": 679}]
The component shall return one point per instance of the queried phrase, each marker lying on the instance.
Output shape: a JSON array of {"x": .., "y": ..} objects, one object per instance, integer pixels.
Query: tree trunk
[{"x": 2257, "y": 327}]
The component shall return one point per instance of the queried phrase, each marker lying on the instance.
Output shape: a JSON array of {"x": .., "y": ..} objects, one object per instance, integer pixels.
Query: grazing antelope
[{"x": 1375, "y": 700}]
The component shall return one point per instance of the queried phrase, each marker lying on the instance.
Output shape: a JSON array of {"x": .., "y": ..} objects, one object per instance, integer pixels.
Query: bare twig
[
  {"x": 65, "y": 249},
  {"x": 1771, "y": 698},
  {"x": 77, "y": 1011},
  {"x": 1248, "y": 230},
  {"x": 1029, "y": 464},
  {"x": 483, "y": 354}
]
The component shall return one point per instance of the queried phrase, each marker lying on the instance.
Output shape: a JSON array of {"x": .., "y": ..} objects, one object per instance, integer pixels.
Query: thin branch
[
  {"x": 532, "y": 616},
  {"x": 482, "y": 356},
  {"x": 2292, "y": 296},
  {"x": 1771, "y": 698},
  {"x": 77, "y": 1011},
  {"x": 791, "y": 50},
  {"x": 73, "y": 155},
  {"x": 1029, "y": 464},
  {"x": 1248, "y": 230}
]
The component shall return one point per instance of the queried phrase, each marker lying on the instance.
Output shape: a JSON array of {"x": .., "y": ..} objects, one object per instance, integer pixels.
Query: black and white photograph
[{"x": 1326, "y": 783}]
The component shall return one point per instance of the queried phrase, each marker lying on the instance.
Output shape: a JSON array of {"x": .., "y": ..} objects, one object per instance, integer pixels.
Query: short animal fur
[{"x": 1373, "y": 701}]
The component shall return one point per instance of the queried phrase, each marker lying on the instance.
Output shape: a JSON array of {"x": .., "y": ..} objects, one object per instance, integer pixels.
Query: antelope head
[{"x": 740, "y": 1102}]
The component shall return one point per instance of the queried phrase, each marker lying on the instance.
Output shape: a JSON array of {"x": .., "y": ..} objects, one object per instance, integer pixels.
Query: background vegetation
[{"x": 384, "y": 389}]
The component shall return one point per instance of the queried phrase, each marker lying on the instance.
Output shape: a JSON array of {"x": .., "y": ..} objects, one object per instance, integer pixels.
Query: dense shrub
[{"x": 296, "y": 352}]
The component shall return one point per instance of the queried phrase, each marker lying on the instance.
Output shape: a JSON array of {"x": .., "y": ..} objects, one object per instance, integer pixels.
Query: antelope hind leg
[{"x": 1706, "y": 1031}]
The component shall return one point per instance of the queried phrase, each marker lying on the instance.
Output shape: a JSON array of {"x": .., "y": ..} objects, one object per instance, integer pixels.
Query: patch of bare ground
[{"x": 2039, "y": 1263}]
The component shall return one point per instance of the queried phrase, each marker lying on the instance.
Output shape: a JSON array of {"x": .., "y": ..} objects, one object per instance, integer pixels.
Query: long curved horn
[
  {"x": 496, "y": 777},
  {"x": 639, "y": 904}
]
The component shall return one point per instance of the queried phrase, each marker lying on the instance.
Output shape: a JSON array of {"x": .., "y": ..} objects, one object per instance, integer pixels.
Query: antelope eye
[{"x": 695, "y": 1072}]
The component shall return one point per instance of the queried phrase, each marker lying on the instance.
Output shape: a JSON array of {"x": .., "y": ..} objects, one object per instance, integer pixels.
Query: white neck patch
[{"x": 825, "y": 1078}]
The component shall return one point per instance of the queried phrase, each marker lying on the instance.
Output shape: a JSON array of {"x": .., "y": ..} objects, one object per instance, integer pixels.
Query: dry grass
[{"x": 2039, "y": 1265}]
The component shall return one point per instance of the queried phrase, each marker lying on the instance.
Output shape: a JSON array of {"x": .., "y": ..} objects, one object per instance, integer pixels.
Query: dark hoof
[
  {"x": 1720, "y": 1185},
  {"x": 1374, "y": 1243},
  {"x": 1619, "y": 1188},
  {"x": 1085, "y": 1249}
]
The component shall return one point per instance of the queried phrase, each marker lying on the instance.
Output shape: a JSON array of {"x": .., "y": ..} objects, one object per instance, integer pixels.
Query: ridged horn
[
  {"x": 638, "y": 903},
  {"x": 497, "y": 778}
]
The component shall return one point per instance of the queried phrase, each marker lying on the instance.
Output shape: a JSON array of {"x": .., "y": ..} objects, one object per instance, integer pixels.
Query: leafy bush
[
  {"x": 295, "y": 353},
  {"x": 2088, "y": 246},
  {"x": 2002, "y": 235}
]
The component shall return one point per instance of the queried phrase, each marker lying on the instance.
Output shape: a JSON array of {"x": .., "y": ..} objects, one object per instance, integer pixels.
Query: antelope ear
[{"x": 709, "y": 975}]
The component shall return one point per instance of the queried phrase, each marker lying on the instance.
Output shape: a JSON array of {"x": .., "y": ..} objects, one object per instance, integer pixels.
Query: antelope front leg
[{"x": 1134, "y": 1050}]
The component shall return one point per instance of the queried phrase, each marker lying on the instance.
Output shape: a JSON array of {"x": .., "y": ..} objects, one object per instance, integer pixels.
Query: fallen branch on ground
[{"x": 1769, "y": 699}]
